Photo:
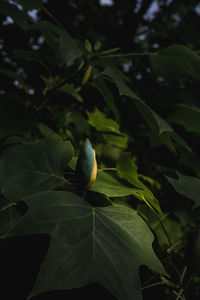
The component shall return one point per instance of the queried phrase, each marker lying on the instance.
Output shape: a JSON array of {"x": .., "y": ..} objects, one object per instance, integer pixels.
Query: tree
[{"x": 119, "y": 79}]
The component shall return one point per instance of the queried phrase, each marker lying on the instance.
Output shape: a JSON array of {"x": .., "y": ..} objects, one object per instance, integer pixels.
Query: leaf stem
[
  {"x": 7, "y": 206},
  {"x": 162, "y": 225}
]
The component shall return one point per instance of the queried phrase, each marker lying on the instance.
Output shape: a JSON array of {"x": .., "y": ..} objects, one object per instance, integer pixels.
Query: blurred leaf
[
  {"x": 187, "y": 186},
  {"x": 30, "y": 168},
  {"x": 158, "y": 125},
  {"x": 155, "y": 122},
  {"x": 88, "y": 46},
  {"x": 75, "y": 118},
  {"x": 191, "y": 161},
  {"x": 9, "y": 216},
  {"x": 193, "y": 251},
  {"x": 187, "y": 116},
  {"x": 47, "y": 131},
  {"x": 19, "y": 16},
  {"x": 128, "y": 169},
  {"x": 71, "y": 90},
  {"x": 27, "y": 55},
  {"x": 13, "y": 75},
  {"x": 85, "y": 238},
  {"x": 97, "y": 45},
  {"x": 108, "y": 127},
  {"x": 68, "y": 48},
  {"x": 105, "y": 92},
  {"x": 14, "y": 119},
  {"x": 30, "y": 4},
  {"x": 175, "y": 60}
]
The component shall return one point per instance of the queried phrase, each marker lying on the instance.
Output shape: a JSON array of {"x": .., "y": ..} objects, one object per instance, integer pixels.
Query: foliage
[{"x": 132, "y": 89}]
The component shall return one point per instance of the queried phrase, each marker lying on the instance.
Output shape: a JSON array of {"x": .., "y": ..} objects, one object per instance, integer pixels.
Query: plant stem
[
  {"x": 152, "y": 285},
  {"x": 183, "y": 274},
  {"x": 53, "y": 18},
  {"x": 128, "y": 54},
  {"x": 52, "y": 90},
  {"x": 109, "y": 169},
  {"x": 179, "y": 296},
  {"x": 174, "y": 246}
]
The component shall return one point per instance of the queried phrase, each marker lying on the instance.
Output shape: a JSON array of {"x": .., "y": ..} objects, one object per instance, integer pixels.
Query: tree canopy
[{"x": 112, "y": 82}]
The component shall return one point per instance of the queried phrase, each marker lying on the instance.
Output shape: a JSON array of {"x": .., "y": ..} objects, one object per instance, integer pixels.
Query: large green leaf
[
  {"x": 175, "y": 60},
  {"x": 157, "y": 124},
  {"x": 187, "y": 186},
  {"x": 129, "y": 170},
  {"x": 89, "y": 244},
  {"x": 30, "y": 168}
]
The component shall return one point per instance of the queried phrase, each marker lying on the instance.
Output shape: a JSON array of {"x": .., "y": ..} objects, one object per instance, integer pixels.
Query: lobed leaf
[
  {"x": 30, "y": 168},
  {"x": 89, "y": 244}
]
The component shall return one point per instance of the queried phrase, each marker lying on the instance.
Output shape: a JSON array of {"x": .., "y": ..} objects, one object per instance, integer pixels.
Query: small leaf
[
  {"x": 47, "y": 131},
  {"x": 108, "y": 127},
  {"x": 187, "y": 186},
  {"x": 70, "y": 90},
  {"x": 97, "y": 45},
  {"x": 68, "y": 47},
  {"x": 88, "y": 46},
  {"x": 89, "y": 244},
  {"x": 129, "y": 170}
]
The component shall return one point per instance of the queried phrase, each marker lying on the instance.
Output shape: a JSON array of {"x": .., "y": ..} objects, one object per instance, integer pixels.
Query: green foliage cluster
[{"x": 136, "y": 231}]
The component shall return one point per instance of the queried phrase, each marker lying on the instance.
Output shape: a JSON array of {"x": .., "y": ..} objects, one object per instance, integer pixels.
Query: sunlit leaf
[
  {"x": 129, "y": 170},
  {"x": 108, "y": 128}
]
